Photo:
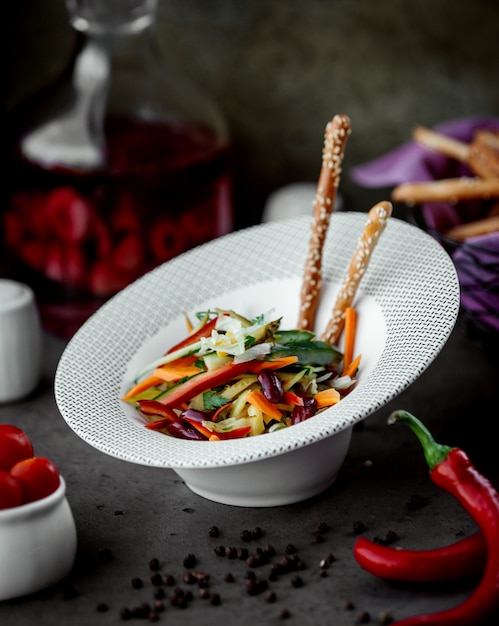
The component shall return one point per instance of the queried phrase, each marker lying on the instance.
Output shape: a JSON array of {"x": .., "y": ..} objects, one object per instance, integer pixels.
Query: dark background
[{"x": 281, "y": 70}]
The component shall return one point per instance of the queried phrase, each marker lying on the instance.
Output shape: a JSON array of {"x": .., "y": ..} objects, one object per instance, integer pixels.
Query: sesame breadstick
[
  {"x": 335, "y": 138},
  {"x": 374, "y": 226},
  {"x": 447, "y": 190}
]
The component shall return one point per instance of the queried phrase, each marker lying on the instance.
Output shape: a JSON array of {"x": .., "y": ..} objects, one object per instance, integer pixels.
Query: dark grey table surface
[{"x": 127, "y": 515}]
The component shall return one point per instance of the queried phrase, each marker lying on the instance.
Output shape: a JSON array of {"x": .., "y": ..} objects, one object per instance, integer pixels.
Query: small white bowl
[{"x": 37, "y": 544}]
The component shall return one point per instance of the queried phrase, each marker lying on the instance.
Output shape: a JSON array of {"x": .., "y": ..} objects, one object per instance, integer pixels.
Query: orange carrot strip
[
  {"x": 274, "y": 365},
  {"x": 174, "y": 373},
  {"x": 258, "y": 400},
  {"x": 353, "y": 367},
  {"x": 350, "y": 329},
  {"x": 327, "y": 397},
  {"x": 188, "y": 323},
  {"x": 148, "y": 382}
]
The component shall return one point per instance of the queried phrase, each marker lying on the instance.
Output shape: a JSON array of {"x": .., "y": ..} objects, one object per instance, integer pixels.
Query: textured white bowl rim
[{"x": 410, "y": 277}]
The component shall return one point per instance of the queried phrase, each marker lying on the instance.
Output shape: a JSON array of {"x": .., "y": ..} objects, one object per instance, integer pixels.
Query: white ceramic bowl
[
  {"x": 37, "y": 544},
  {"x": 407, "y": 303}
]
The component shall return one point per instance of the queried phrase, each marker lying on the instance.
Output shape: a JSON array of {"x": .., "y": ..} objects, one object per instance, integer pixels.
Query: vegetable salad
[{"x": 235, "y": 377}]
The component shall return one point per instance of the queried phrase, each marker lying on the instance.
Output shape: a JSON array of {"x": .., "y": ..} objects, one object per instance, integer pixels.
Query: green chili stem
[{"x": 434, "y": 452}]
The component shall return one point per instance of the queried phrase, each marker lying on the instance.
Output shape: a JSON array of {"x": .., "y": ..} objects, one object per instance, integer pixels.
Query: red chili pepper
[
  {"x": 452, "y": 470},
  {"x": 463, "y": 558}
]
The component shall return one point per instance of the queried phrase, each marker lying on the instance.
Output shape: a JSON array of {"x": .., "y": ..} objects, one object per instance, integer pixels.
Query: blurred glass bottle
[{"x": 116, "y": 167}]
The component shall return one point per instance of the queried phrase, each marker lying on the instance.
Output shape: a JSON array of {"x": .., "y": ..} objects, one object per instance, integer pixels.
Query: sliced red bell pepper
[
  {"x": 153, "y": 407},
  {"x": 235, "y": 433},
  {"x": 195, "y": 385},
  {"x": 292, "y": 398},
  {"x": 205, "y": 331},
  {"x": 200, "y": 428}
]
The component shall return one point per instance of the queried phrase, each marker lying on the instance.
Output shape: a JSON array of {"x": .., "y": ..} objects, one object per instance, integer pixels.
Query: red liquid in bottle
[{"x": 78, "y": 237}]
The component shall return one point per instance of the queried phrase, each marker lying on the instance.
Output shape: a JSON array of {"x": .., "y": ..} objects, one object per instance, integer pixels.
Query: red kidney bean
[
  {"x": 302, "y": 413},
  {"x": 183, "y": 430},
  {"x": 271, "y": 385},
  {"x": 199, "y": 416}
]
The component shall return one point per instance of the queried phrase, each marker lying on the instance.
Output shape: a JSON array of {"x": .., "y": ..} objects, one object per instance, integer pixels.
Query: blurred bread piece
[
  {"x": 448, "y": 146},
  {"x": 481, "y": 155},
  {"x": 447, "y": 190},
  {"x": 485, "y": 226}
]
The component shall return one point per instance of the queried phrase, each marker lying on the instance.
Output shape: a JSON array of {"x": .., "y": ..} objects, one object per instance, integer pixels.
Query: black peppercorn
[
  {"x": 154, "y": 565},
  {"x": 213, "y": 531},
  {"x": 297, "y": 581},
  {"x": 190, "y": 560},
  {"x": 137, "y": 583},
  {"x": 156, "y": 579},
  {"x": 257, "y": 532},
  {"x": 219, "y": 550},
  {"x": 215, "y": 599},
  {"x": 125, "y": 614}
]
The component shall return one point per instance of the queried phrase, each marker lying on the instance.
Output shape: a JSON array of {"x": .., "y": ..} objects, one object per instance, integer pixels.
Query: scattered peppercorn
[
  {"x": 137, "y": 583},
  {"x": 231, "y": 552},
  {"x": 213, "y": 531},
  {"x": 102, "y": 607},
  {"x": 270, "y": 596},
  {"x": 159, "y": 593},
  {"x": 190, "y": 560},
  {"x": 358, "y": 527},
  {"x": 349, "y": 606},
  {"x": 322, "y": 527},
  {"x": 297, "y": 581},
  {"x": 156, "y": 579},
  {"x": 125, "y": 614},
  {"x": 246, "y": 535},
  {"x": 385, "y": 618},
  {"x": 189, "y": 578},
  {"x": 257, "y": 532},
  {"x": 290, "y": 548},
  {"x": 159, "y": 606},
  {"x": 284, "y": 614},
  {"x": 242, "y": 554},
  {"x": 229, "y": 577},
  {"x": 364, "y": 617},
  {"x": 154, "y": 565},
  {"x": 168, "y": 580},
  {"x": 215, "y": 599},
  {"x": 204, "y": 594}
]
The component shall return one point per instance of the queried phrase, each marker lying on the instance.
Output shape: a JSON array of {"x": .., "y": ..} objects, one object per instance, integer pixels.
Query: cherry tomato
[
  {"x": 11, "y": 493},
  {"x": 39, "y": 477},
  {"x": 15, "y": 446}
]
